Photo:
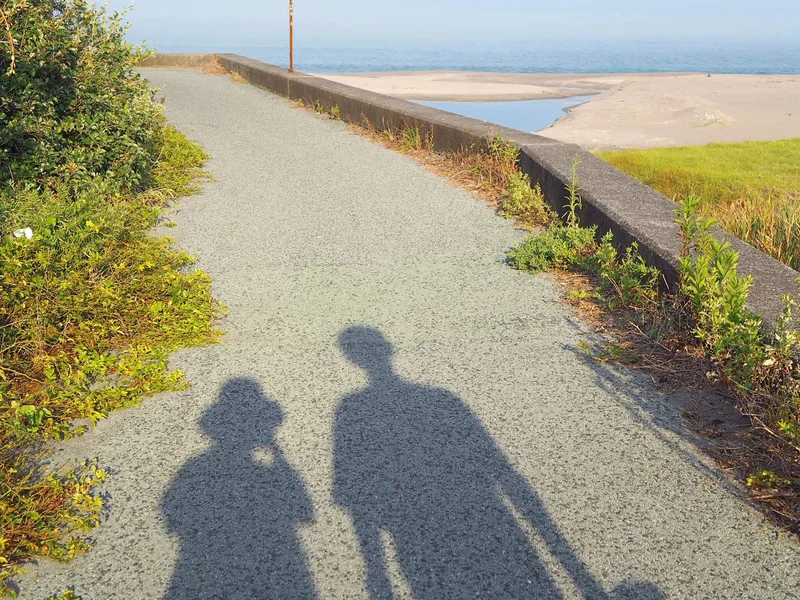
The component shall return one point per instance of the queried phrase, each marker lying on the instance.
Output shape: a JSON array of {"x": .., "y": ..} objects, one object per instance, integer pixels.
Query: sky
[{"x": 207, "y": 24}]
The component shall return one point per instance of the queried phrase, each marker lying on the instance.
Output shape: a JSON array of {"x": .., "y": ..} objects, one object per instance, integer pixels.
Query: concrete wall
[
  {"x": 611, "y": 199},
  {"x": 186, "y": 61}
]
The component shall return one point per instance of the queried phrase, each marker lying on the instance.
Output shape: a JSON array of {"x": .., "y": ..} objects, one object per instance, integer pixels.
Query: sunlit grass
[{"x": 752, "y": 189}]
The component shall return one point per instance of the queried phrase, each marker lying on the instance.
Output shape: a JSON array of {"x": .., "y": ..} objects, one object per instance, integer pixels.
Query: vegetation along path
[{"x": 393, "y": 409}]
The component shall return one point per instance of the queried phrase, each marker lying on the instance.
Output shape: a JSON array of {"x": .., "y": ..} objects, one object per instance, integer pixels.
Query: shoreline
[{"x": 627, "y": 110}]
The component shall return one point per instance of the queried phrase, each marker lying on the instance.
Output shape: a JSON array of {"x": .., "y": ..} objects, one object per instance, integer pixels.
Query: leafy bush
[
  {"x": 718, "y": 294},
  {"x": 626, "y": 281},
  {"x": 90, "y": 308},
  {"x": 91, "y": 304},
  {"x": 89, "y": 281},
  {"x": 765, "y": 370},
  {"x": 523, "y": 201},
  {"x": 71, "y": 105},
  {"x": 762, "y": 369},
  {"x": 558, "y": 247}
]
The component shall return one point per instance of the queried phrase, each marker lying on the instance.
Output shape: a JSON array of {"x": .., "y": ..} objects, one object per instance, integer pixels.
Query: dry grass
[
  {"x": 209, "y": 64},
  {"x": 238, "y": 78},
  {"x": 212, "y": 66}
]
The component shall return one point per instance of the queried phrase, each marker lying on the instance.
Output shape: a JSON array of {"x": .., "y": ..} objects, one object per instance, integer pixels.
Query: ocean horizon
[{"x": 778, "y": 57}]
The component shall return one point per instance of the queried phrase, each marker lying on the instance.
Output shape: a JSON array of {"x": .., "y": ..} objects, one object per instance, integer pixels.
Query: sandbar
[
  {"x": 629, "y": 110},
  {"x": 466, "y": 86}
]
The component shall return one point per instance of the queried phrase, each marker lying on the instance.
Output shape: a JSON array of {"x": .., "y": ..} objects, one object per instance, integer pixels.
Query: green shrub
[
  {"x": 558, "y": 247},
  {"x": 523, "y": 201},
  {"x": 626, "y": 281},
  {"x": 764, "y": 369},
  {"x": 71, "y": 104},
  {"x": 90, "y": 308},
  {"x": 718, "y": 295},
  {"x": 91, "y": 304},
  {"x": 90, "y": 280}
]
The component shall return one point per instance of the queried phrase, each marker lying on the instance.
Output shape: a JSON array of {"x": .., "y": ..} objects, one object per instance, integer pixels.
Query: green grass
[{"x": 751, "y": 189}]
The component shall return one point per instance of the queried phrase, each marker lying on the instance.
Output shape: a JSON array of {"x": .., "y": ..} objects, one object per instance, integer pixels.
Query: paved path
[{"x": 393, "y": 410}]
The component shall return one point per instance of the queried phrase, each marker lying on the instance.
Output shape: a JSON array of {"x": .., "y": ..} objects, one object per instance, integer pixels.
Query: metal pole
[{"x": 291, "y": 36}]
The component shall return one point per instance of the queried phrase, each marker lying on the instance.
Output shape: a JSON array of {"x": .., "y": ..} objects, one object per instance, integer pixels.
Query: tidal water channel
[{"x": 525, "y": 115}]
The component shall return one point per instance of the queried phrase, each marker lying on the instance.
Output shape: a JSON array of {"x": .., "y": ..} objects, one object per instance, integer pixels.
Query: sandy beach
[
  {"x": 629, "y": 110},
  {"x": 460, "y": 86}
]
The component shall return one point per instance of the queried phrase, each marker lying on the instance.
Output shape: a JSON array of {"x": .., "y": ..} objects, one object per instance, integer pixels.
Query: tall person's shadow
[
  {"x": 413, "y": 464},
  {"x": 236, "y": 508}
]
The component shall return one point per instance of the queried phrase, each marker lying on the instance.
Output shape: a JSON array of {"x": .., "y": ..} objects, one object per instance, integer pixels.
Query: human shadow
[
  {"x": 413, "y": 463},
  {"x": 236, "y": 508}
]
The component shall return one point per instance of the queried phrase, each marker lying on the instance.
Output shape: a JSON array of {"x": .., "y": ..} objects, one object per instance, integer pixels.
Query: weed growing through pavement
[{"x": 65, "y": 595}]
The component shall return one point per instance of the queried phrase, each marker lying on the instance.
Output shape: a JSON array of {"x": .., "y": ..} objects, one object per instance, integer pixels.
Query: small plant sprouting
[
  {"x": 574, "y": 200},
  {"x": 524, "y": 202},
  {"x": 504, "y": 151},
  {"x": 67, "y": 594},
  {"x": 765, "y": 479},
  {"x": 411, "y": 140}
]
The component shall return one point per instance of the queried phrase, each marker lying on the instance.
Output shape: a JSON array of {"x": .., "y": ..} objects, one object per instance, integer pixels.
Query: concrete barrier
[
  {"x": 612, "y": 200},
  {"x": 184, "y": 61}
]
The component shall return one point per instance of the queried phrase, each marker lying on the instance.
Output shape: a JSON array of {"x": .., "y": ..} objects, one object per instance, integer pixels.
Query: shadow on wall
[{"x": 412, "y": 465}]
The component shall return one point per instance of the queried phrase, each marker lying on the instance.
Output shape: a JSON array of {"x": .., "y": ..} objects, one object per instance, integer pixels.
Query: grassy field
[{"x": 751, "y": 189}]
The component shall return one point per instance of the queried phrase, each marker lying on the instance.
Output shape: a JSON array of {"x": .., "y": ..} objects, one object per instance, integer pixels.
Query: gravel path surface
[{"x": 393, "y": 410}]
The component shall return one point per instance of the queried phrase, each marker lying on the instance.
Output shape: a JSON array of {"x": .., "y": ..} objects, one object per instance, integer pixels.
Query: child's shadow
[{"x": 236, "y": 508}]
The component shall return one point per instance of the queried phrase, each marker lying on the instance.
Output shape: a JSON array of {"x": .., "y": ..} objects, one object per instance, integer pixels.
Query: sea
[{"x": 546, "y": 56}]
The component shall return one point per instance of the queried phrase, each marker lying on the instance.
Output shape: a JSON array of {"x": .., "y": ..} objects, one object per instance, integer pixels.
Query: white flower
[{"x": 26, "y": 232}]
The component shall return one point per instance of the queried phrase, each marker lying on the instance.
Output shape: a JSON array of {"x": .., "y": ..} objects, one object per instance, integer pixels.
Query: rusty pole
[{"x": 291, "y": 36}]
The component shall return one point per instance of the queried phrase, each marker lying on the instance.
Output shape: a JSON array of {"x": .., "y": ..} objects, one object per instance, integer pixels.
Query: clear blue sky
[{"x": 208, "y": 23}]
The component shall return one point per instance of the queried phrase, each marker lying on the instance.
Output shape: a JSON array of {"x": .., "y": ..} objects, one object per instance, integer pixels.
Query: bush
[
  {"x": 524, "y": 202},
  {"x": 91, "y": 304},
  {"x": 90, "y": 307},
  {"x": 708, "y": 315},
  {"x": 558, "y": 247},
  {"x": 71, "y": 105},
  {"x": 764, "y": 369},
  {"x": 626, "y": 281}
]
